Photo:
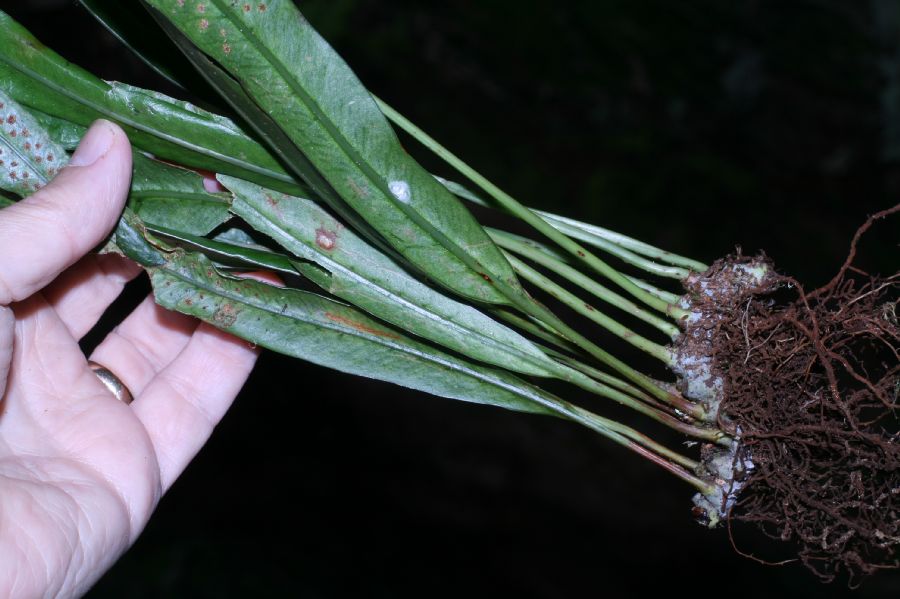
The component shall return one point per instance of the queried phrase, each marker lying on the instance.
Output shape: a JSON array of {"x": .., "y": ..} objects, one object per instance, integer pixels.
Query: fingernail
[{"x": 95, "y": 143}]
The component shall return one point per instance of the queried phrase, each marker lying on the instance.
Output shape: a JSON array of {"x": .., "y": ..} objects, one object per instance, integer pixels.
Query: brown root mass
[{"x": 811, "y": 383}]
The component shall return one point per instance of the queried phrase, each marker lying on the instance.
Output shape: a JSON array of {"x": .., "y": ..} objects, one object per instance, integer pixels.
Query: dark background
[{"x": 692, "y": 125}]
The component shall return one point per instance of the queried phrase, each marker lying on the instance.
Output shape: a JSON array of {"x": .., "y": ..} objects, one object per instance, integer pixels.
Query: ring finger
[{"x": 144, "y": 344}]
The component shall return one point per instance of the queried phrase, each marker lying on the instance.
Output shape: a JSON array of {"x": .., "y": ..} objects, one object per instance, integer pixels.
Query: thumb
[{"x": 49, "y": 231}]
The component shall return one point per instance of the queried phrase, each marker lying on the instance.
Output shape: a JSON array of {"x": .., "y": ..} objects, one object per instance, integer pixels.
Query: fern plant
[{"x": 390, "y": 276}]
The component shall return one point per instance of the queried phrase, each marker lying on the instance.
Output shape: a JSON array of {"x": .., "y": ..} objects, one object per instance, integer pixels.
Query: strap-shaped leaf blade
[
  {"x": 269, "y": 131},
  {"x": 293, "y": 74},
  {"x": 363, "y": 276},
  {"x": 331, "y": 334}
]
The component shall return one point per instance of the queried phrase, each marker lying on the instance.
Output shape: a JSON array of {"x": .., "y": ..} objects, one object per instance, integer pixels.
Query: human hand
[{"x": 80, "y": 471}]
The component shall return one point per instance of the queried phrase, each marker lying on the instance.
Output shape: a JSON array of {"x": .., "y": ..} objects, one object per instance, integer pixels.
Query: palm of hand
[{"x": 77, "y": 468}]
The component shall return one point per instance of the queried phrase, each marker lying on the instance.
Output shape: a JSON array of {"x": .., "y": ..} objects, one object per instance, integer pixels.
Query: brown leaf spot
[
  {"x": 26, "y": 132},
  {"x": 13, "y": 133},
  {"x": 14, "y": 164},
  {"x": 38, "y": 145},
  {"x": 201, "y": 8},
  {"x": 359, "y": 326},
  {"x": 49, "y": 157},
  {"x": 247, "y": 8},
  {"x": 326, "y": 239},
  {"x": 226, "y": 48},
  {"x": 11, "y": 119},
  {"x": 262, "y": 7},
  {"x": 589, "y": 307},
  {"x": 27, "y": 146},
  {"x": 13, "y": 176},
  {"x": 225, "y": 316},
  {"x": 204, "y": 24}
]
